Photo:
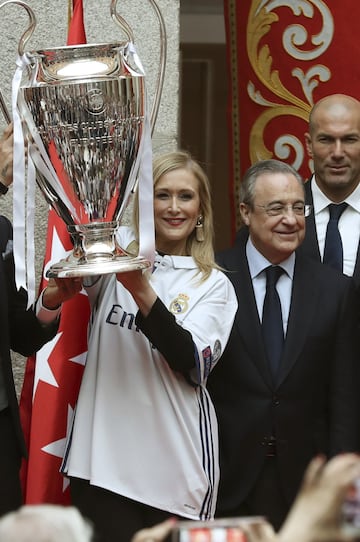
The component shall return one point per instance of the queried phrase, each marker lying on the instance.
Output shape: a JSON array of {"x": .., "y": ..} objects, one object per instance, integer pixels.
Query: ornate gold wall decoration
[{"x": 300, "y": 47}]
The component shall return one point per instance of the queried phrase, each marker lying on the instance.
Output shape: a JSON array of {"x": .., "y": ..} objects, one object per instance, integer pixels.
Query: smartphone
[{"x": 216, "y": 530}]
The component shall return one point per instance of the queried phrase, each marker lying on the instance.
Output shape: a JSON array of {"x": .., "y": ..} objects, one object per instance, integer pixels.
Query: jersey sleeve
[
  {"x": 194, "y": 343},
  {"x": 172, "y": 340},
  {"x": 210, "y": 323}
]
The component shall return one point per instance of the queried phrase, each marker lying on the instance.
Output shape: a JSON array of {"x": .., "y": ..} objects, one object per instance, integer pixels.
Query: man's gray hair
[
  {"x": 45, "y": 523},
  {"x": 247, "y": 186}
]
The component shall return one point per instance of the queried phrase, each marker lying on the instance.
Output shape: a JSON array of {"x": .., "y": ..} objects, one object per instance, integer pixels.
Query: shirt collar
[
  {"x": 178, "y": 262},
  {"x": 257, "y": 262},
  {"x": 321, "y": 201}
]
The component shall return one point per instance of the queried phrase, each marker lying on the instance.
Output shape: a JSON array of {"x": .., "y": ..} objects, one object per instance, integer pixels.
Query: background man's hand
[
  {"x": 59, "y": 290},
  {"x": 6, "y": 156}
]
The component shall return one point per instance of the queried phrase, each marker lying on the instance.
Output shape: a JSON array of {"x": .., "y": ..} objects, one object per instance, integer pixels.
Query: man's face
[
  {"x": 334, "y": 146},
  {"x": 275, "y": 237}
]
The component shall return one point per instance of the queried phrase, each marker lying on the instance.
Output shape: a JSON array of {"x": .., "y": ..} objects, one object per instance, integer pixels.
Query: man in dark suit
[
  {"x": 23, "y": 331},
  {"x": 276, "y": 415},
  {"x": 333, "y": 143}
]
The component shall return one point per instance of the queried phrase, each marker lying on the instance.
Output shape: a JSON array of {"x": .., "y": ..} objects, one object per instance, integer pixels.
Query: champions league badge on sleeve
[
  {"x": 206, "y": 354},
  {"x": 210, "y": 358},
  {"x": 217, "y": 351},
  {"x": 180, "y": 304}
]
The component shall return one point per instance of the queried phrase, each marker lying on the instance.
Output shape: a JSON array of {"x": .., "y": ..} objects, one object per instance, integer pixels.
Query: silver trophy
[{"x": 84, "y": 111}]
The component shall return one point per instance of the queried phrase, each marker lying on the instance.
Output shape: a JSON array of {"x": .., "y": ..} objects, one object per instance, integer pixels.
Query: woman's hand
[
  {"x": 137, "y": 283},
  {"x": 59, "y": 290}
]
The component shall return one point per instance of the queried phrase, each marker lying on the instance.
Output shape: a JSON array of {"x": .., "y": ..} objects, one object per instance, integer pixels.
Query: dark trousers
[
  {"x": 113, "y": 516},
  {"x": 265, "y": 499},
  {"x": 10, "y": 461}
]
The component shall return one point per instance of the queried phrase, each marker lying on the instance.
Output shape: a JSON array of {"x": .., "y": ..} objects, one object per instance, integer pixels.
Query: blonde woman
[{"x": 144, "y": 442}]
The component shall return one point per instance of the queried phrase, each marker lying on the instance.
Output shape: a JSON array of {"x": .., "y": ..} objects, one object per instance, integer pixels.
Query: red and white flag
[{"x": 52, "y": 376}]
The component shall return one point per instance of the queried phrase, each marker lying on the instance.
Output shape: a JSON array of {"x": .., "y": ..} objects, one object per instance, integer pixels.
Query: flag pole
[{"x": 70, "y": 11}]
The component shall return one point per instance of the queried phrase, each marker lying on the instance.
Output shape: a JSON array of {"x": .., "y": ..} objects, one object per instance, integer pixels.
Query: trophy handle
[
  {"x": 30, "y": 30},
  {"x": 163, "y": 50},
  {"x": 128, "y": 31},
  {"x": 51, "y": 198},
  {"x": 21, "y": 46}
]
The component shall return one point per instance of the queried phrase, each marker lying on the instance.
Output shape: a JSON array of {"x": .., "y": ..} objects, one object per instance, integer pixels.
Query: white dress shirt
[
  {"x": 349, "y": 224},
  {"x": 257, "y": 265}
]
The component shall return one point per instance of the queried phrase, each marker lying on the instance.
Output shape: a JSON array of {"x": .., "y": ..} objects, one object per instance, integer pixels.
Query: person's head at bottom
[{"x": 45, "y": 523}]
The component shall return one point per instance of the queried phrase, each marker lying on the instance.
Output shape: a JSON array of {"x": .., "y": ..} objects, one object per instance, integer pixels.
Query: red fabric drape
[{"x": 282, "y": 58}]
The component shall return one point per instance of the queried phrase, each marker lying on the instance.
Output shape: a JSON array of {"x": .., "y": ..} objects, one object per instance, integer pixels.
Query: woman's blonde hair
[{"x": 201, "y": 251}]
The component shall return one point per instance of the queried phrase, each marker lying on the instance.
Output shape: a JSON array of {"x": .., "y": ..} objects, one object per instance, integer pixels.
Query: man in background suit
[
  {"x": 23, "y": 331},
  {"x": 274, "y": 419},
  {"x": 333, "y": 143}
]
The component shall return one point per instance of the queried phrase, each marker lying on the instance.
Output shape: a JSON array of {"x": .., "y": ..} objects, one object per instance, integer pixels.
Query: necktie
[
  {"x": 333, "y": 250},
  {"x": 272, "y": 323}
]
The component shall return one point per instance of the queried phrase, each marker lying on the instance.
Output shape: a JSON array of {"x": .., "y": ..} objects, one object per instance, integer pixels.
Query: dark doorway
[{"x": 203, "y": 124}]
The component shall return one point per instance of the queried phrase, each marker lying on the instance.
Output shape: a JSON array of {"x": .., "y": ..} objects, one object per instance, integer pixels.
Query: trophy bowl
[{"x": 84, "y": 112}]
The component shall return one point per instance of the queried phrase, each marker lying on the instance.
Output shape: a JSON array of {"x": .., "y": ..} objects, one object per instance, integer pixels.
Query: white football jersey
[{"x": 142, "y": 430}]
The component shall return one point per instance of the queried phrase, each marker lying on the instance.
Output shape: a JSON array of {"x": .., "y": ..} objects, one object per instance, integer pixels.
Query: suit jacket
[
  {"x": 312, "y": 407},
  {"x": 20, "y": 330},
  {"x": 310, "y": 246}
]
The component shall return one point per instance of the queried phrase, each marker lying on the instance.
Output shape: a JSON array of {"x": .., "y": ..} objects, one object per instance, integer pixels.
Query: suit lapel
[
  {"x": 310, "y": 244},
  {"x": 302, "y": 306},
  {"x": 247, "y": 322},
  {"x": 356, "y": 274}
]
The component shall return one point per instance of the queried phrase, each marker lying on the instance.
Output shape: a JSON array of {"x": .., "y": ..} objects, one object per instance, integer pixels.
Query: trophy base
[{"x": 85, "y": 268}]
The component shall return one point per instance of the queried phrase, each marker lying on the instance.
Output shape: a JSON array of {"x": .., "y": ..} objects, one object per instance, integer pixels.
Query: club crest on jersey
[{"x": 180, "y": 304}]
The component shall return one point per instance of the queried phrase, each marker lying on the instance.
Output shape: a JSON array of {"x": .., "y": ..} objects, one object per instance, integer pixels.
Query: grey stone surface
[{"x": 51, "y": 31}]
